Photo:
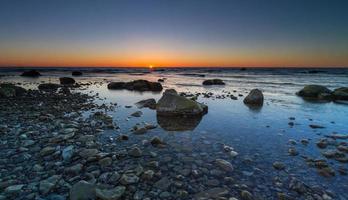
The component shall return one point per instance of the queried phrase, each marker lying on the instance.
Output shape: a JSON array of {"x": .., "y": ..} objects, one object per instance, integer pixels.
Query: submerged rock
[
  {"x": 147, "y": 103},
  {"x": 255, "y": 97},
  {"x": 224, "y": 165},
  {"x": 48, "y": 86},
  {"x": 9, "y": 90},
  {"x": 172, "y": 104},
  {"x": 137, "y": 85},
  {"x": 179, "y": 123},
  {"x": 31, "y": 73},
  {"x": 340, "y": 93},
  {"x": 66, "y": 81},
  {"x": 76, "y": 73},
  {"x": 315, "y": 91},
  {"x": 213, "y": 82}
]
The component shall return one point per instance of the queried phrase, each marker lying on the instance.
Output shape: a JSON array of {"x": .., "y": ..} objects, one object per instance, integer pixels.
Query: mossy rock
[
  {"x": 315, "y": 91},
  {"x": 9, "y": 90},
  {"x": 340, "y": 93}
]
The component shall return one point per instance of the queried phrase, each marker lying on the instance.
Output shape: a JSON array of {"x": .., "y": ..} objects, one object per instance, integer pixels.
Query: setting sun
[{"x": 150, "y": 66}]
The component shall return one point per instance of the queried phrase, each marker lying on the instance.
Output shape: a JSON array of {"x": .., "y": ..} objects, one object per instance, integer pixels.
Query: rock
[
  {"x": 292, "y": 151},
  {"x": 9, "y": 90},
  {"x": 47, "y": 151},
  {"x": 82, "y": 191},
  {"x": 135, "y": 152},
  {"x": 110, "y": 194},
  {"x": 147, "y": 103},
  {"x": 278, "y": 165},
  {"x": 326, "y": 172},
  {"x": 137, "y": 85},
  {"x": 343, "y": 148},
  {"x": 246, "y": 195},
  {"x": 148, "y": 174},
  {"x": 160, "y": 80},
  {"x": 298, "y": 186},
  {"x": 31, "y": 73},
  {"x": 104, "y": 162},
  {"x": 85, "y": 153},
  {"x": 172, "y": 104},
  {"x": 315, "y": 91},
  {"x": 255, "y": 97},
  {"x": 66, "y": 81},
  {"x": 140, "y": 131},
  {"x": 137, "y": 114},
  {"x": 155, "y": 141},
  {"x": 163, "y": 184},
  {"x": 323, "y": 143},
  {"x": 340, "y": 93},
  {"x": 14, "y": 189},
  {"x": 127, "y": 179},
  {"x": 213, "y": 82},
  {"x": 68, "y": 153},
  {"x": 48, "y": 184},
  {"x": 76, "y": 73},
  {"x": 314, "y": 126},
  {"x": 224, "y": 165},
  {"x": 48, "y": 87},
  {"x": 213, "y": 193},
  {"x": 74, "y": 170}
]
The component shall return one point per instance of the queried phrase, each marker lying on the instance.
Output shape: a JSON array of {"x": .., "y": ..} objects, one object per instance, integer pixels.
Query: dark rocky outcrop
[
  {"x": 76, "y": 73},
  {"x": 315, "y": 92},
  {"x": 147, "y": 103},
  {"x": 255, "y": 97},
  {"x": 172, "y": 104},
  {"x": 8, "y": 90},
  {"x": 31, "y": 73},
  {"x": 137, "y": 85},
  {"x": 66, "y": 81},
  {"x": 340, "y": 93},
  {"x": 48, "y": 86},
  {"x": 213, "y": 82}
]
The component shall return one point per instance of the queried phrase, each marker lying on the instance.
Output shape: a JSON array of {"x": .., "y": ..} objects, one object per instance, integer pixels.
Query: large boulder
[
  {"x": 138, "y": 85},
  {"x": 66, "y": 81},
  {"x": 172, "y": 104},
  {"x": 31, "y": 73},
  {"x": 255, "y": 97},
  {"x": 213, "y": 82},
  {"x": 8, "y": 90},
  {"x": 48, "y": 86},
  {"x": 315, "y": 92},
  {"x": 340, "y": 93},
  {"x": 76, "y": 73},
  {"x": 147, "y": 103}
]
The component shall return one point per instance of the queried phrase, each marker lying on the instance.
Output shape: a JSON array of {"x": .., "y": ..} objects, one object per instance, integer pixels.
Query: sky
[{"x": 174, "y": 33}]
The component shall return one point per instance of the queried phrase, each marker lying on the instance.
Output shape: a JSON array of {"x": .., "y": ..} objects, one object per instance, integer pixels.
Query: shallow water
[{"x": 261, "y": 135}]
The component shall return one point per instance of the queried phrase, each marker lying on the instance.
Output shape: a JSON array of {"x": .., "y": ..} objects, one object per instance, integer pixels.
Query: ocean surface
[{"x": 260, "y": 136}]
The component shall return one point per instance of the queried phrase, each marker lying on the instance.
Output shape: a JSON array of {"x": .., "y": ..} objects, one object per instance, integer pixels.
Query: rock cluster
[
  {"x": 319, "y": 92},
  {"x": 31, "y": 73},
  {"x": 213, "y": 82},
  {"x": 137, "y": 85}
]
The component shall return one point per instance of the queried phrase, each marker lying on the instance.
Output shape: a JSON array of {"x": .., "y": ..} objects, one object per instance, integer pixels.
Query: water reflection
[{"x": 178, "y": 123}]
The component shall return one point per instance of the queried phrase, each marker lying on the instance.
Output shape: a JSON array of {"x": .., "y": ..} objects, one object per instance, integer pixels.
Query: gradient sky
[{"x": 281, "y": 33}]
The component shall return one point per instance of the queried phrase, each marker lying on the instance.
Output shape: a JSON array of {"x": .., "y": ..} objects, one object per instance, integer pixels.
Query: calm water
[{"x": 261, "y": 135}]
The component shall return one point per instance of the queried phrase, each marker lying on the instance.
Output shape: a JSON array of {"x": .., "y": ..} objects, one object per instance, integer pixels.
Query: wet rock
[
  {"x": 135, "y": 152},
  {"x": 293, "y": 152},
  {"x": 213, "y": 193},
  {"x": 172, "y": 104},
  {"x": 48, "y": 87},
  {"x": 323, "y": 143},
  {"x": 76, "y": 73},
  {"x": 85, "y": 153},
  {"x": 163, "y": 184},
  {"x": 137, "y": 114},
  {"x": 140, "y": 131},
  {"x": 147, "y": 103},
  {"x": 298, "y": 186},
  {"x": 333, "y": 154},
  {"x": 104, "y": 162},
  {"x": 82, "y": 191},
  {"x": 47, "y": 185},
  {"x": 14, "y": 189},
  {"x": 127, "y": 179},
  {"x": 74, "y": 170},
  {"x": 66, "y": 81},
  {"x": 304, "y": 141},
  {"x": 137, "y": 85},
  {"x": 47, "y": 151},
  {"x": 278, "y": 165},
  {"x": 148, "y": 174},
  {"x": 68, "y": 153},
  {"x": 110, "y": 194},
  {"x": 156, "y": 141},
  {"x": 246, "y": 195},
  {"x": 31, "y": 73},
  {"x": 315, "y": 91},
  {"x": 340, "y": 93},
  {"x": 213, "y": 82},
  {"x": 9, "y": 90},
  {"x": 224, "y": 165},
  {"x": 255, "y": 97},
  {"x": 326, "y": 172},
  {"x": 314, "y": 126},
  {"x": 343, "y": 148}
]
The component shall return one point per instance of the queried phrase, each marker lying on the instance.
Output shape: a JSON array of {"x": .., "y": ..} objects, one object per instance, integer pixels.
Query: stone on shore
[
  {"x": 255, "y": 97},
  {"x": 31, "y": 73},
  {"x": 76, "y": 73},
  {"x": 147, "y": 103},
  {"x": 137, "y": 85},
  {"x": 172, "y": 104},
  {"x": 110, "y": 194},
  {"x": 48, "y": 86},
  {"x": 224, "y": 165},
  {"x": 66, "y": 81},
  {"x": 9, "y": 90},
  {"x": 82, "y": 190},
  {"x": 213, "y": 82},
  {"x": 315, "y": 92},
  {"x": 340, "y": 93}
]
